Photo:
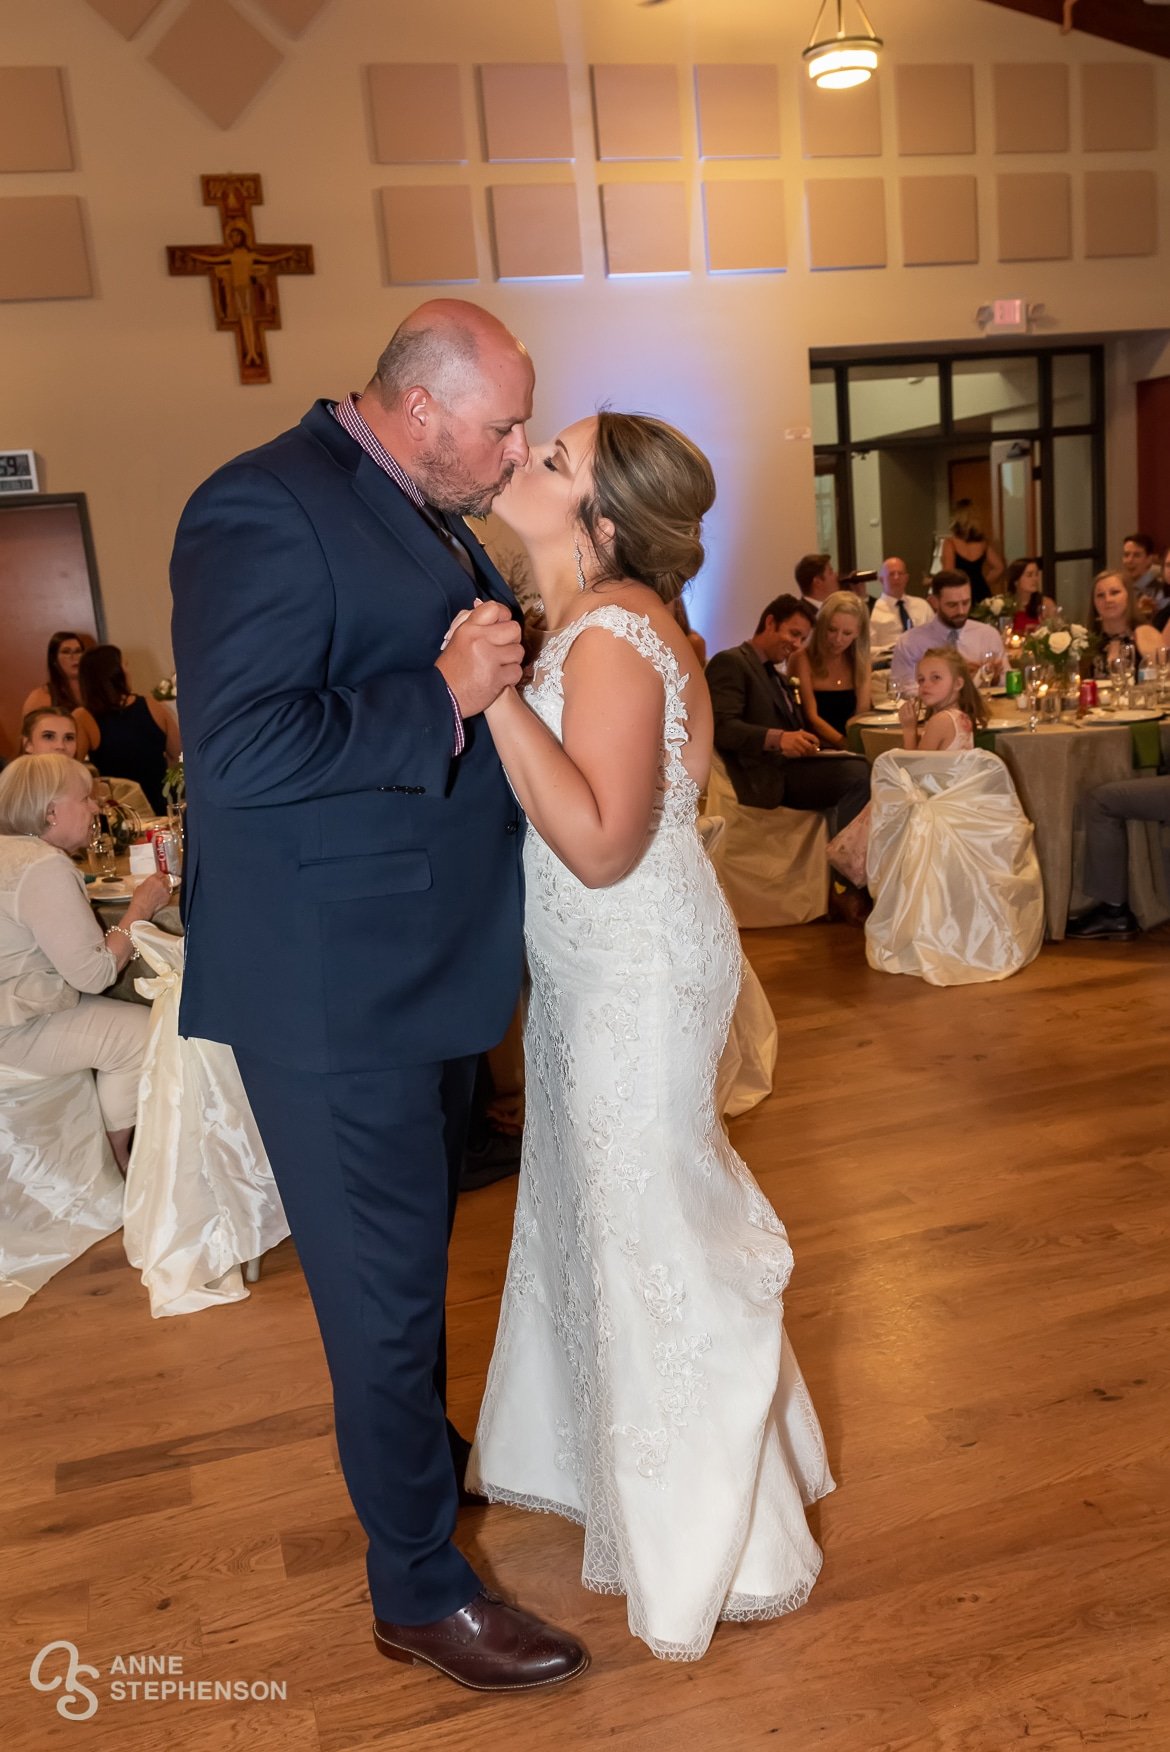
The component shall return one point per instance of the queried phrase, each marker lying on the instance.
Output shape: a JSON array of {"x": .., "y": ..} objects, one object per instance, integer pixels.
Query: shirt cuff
[{"x": 459, "y": 740}]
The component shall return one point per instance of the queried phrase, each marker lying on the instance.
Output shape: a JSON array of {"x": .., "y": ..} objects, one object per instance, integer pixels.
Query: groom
[{"x": 353, "y": 901}]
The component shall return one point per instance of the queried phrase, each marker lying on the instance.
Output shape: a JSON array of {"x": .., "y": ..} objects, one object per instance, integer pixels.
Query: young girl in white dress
[
  {"x": 641, "y": 1383},
  {"x": 941, "y": 720}
]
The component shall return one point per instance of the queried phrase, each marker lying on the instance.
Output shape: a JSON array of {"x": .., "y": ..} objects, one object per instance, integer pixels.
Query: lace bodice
[{"x": 679, "y": 794}]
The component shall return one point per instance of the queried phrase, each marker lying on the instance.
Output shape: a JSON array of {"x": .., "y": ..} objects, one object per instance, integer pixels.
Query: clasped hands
[{"x": 481, "y": 657}]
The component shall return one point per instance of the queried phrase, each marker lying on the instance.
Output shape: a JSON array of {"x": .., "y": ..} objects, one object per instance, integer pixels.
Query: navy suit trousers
[{"x": 367, "y": 1164}]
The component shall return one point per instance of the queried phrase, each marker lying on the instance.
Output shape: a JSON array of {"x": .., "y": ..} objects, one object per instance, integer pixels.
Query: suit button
[{"x": 512, "y": 827}]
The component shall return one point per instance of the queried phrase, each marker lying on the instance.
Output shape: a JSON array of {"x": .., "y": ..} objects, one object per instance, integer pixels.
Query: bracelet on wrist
[{"x": 121, "y": 931}]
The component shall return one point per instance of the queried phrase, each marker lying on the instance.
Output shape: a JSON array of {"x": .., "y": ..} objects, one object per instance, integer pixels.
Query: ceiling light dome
[{"x": 844, "y": 57}]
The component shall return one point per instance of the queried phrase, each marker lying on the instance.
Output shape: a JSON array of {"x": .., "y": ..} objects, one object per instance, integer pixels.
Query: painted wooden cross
[{"x": 244, "y": 291}]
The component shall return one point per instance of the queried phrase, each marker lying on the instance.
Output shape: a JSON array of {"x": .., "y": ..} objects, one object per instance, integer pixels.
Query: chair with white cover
[
  {"x": 958, "y": 897},
  {"x": 772, "y": 863},
  {"x": 60, "y": 1189},
  {"x": 746, "y": 1068},
  {"x": 130, "y": 795},
  {"x": 200, "y": 1198}
]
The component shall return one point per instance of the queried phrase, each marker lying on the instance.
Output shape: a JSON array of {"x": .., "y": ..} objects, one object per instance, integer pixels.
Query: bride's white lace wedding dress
[{"x": 641, "y": 1383}]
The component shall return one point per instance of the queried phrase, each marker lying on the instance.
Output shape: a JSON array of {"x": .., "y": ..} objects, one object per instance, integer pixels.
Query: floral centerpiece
[
  {"x": 992, "y": 610},
  {"x": 165, "y": 689},
  {"x": 1062, "y": 646}
]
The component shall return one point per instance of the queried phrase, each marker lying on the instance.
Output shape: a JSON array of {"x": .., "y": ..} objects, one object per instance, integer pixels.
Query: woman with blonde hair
[
  {"x": 967, "y": 550},
  {"x": 832, "y": 672},
  {"x": 54, "y": 957}
]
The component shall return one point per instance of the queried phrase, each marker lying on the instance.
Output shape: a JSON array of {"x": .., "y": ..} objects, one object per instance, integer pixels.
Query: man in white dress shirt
[
  {"x": 895, "y": 613},
  {"x": 950, "y": 598}
]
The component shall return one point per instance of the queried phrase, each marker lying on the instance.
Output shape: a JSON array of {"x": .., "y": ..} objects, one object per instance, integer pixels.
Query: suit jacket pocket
[{"x": 365, "y": 877}]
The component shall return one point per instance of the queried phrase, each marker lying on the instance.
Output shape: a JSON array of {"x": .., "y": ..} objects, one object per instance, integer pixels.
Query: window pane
[
  {"x": 824, "y": 405},
  {"x": 826, "y": 492},
  {"x": 995, "y": 395},
  {"x": 1072, "y": 492},
  {"x": 1074, "y": 580},
  {"x": 1072, "y": 389},
  {"x": 888, "y": 401},
  {"x": 867, "y": 510}
]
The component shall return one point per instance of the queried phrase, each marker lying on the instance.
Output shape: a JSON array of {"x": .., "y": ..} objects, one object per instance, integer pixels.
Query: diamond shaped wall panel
[{"x": 216, "y": 59}]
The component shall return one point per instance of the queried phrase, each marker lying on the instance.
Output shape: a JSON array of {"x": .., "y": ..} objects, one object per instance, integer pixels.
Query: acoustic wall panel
[
  {"x": 526, "y": 115},
  {"x": 646, "y": 228},
  {"x": 42, "y": 248},
  {"x": 429, "y": 235},
  {"x": 536, "y": 232},
  {"x": 739, "y": 111},
  {"x": 34, "y": 129},
  {"x": 940, "y": 220},
  {"x": 126, "y": 16},
  {"x": 1035, "y": 216},
  {"x": 416, "y": 112},
  {"x": 293, "y": 16},
  {"x": 1119, "y": 106},
  {"x": 216, "y": 59},
  {"x": 636, "y": 111},
  {"x": 936, "y": 109},
  {"x": 846, "y": 222},
  {"x": 1031, "y": 106},
  {"x": 745, "y": 227},
  {"x": 1121, "y": 213},
  {"x": 842, "y": 124}
]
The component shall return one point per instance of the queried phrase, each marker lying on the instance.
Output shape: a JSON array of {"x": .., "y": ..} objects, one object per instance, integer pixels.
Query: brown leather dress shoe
[{"x": 488, "y": 1646}]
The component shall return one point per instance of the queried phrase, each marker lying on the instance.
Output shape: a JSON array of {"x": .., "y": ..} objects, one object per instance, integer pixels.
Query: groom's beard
[{"x": 449, "y": 485}]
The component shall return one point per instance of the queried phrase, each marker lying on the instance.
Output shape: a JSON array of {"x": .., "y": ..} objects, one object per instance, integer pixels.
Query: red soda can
[
  {"x": 167, "y": 855},
  {"x": 1088, "y": 697}
]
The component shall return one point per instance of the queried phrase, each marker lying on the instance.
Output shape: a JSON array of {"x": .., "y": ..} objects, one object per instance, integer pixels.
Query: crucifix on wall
[{"x": 244, "y": 291}]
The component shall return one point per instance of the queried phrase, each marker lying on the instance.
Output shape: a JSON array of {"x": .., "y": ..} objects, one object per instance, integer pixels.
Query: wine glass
[{"x": 1033, "y": 682}]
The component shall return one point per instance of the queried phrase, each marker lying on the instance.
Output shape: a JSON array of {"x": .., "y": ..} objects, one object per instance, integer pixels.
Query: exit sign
[{"x": 1009, "y": 316}]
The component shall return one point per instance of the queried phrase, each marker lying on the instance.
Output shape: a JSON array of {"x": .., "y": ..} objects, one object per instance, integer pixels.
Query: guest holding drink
[
  {"x": 832, "y": 671},
  {"x": 54, "y": 958},
  {"x": 1113, "y": 617}
]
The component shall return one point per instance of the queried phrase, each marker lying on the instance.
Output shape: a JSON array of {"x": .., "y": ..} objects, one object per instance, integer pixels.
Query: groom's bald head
[{"x": 449, "y": 348}]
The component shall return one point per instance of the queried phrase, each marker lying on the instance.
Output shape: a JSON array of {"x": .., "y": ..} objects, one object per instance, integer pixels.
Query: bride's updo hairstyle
[{"x": 655, "y": 487}]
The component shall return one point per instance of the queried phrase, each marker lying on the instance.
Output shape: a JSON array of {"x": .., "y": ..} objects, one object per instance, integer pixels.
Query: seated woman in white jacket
[{"x": 54, "y": 958}]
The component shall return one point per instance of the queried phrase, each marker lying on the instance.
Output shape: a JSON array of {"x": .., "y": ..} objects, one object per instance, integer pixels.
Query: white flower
[
  {"x": 1079, "y": 632},
  {"x": 1059, "y": 643}
]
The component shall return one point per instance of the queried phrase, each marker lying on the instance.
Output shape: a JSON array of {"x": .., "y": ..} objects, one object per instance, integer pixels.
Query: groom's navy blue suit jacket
[{"x": 352, "y": 892}]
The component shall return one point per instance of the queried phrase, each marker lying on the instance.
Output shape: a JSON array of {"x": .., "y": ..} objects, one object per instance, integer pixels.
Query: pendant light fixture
[{"x": 836, "y": 60}]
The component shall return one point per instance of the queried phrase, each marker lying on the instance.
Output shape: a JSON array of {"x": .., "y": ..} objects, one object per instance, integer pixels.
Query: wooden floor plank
[{"x": 977, "y": 1188}]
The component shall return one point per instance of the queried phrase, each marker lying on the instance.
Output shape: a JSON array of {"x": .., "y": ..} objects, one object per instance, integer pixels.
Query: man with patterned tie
[{"x": 894, "y": 613}]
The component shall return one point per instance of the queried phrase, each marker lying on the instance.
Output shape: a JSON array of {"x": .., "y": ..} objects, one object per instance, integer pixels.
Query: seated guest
[
  {"x": 60, "y": 688},
  {"x": 48, "y": 731},
  {"x": 1106, "y": 872},
  {"x": 129, "y": 736},
  {"x": 1161, "y": 597},
  {"x": 895, "y": 613},
  {"x": 1140, "y": 568},
  {"x": 832, "y": 671},
  {"x": 978, "y": 643},
  {"x": 1113, "y": 616},
  {"x": 53, "y": 956},
  {"x": 1027, "y": 603},
  {"x": 816, "y": 579},
  {"x": 772, "y": 759}
]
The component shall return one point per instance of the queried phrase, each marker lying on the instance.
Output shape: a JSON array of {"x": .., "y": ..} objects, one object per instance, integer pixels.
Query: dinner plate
[{"x": 1132, "y": 716}]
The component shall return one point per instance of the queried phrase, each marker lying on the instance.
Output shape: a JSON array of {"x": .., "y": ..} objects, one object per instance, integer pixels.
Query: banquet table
[
  {"x": 1053, "y": 768},
  {"x": 110, "y": 912}
]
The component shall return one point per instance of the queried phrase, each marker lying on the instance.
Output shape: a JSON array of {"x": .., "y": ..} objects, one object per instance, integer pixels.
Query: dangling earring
[{"x": 580, "y": 566}]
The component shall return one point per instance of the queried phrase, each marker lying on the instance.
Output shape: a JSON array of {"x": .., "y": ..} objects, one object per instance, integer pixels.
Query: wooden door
[
  {"x": 1153, "y": 420},
  {"x": 45, "y": 587}
]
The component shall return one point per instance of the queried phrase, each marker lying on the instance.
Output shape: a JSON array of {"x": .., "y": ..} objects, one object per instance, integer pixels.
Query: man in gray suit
[{"x": 771, "y": 756}]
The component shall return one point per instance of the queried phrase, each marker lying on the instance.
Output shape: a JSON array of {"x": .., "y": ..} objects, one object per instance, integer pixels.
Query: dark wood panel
[
  {"x": 45, "y": 587},
  {"x": 1131, "y": 22}
]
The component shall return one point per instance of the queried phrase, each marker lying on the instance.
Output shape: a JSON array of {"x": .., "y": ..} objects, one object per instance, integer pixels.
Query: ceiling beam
[{"x": 1131, "y": 22}]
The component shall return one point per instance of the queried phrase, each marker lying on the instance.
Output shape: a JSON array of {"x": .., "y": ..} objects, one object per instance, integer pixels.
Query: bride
[{"x": 641, "y": 1383}]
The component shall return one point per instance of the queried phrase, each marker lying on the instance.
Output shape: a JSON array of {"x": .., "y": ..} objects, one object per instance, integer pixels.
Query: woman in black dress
[
  {"x": 832, "y": 672},
  {"x": 129, "y": 736}
]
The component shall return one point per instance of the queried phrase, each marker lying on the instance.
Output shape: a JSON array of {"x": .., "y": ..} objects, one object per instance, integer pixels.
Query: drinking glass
[
  {"x": 1033, "y": 682},
  {"x": 102, "y": 860}
]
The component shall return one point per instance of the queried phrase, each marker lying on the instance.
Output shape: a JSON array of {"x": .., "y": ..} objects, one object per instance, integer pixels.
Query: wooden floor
[{"x": 977, "y": 1188}]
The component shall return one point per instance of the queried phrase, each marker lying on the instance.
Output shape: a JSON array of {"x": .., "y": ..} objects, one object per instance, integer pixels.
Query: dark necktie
[
  {"x": 904, "y": 616},
  {"x": 451, "y": 542}
]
